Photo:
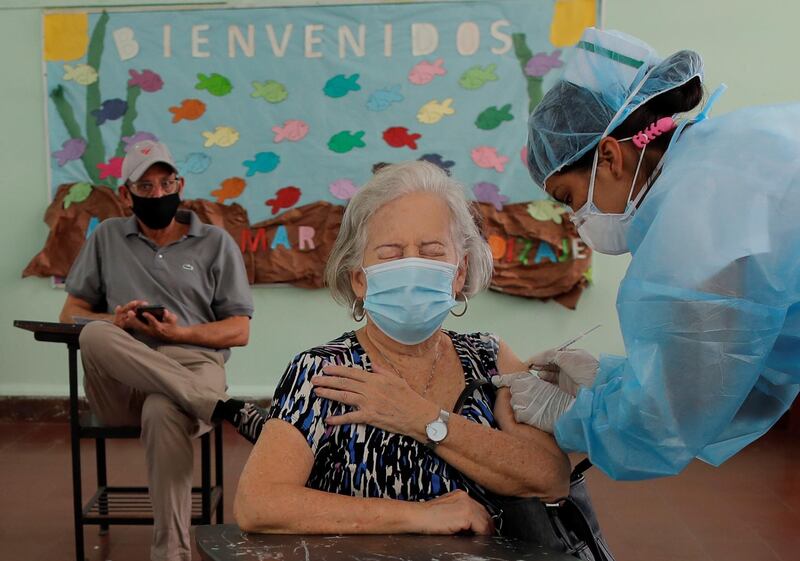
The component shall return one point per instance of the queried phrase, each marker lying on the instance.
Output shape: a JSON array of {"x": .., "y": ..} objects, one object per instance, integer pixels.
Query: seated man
[
  {"x": 363, "y": 435},
  {"x": 167, "y": 373}
]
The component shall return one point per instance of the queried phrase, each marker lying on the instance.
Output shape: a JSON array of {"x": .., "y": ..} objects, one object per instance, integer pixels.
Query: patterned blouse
[{"x": 365, "y": 461}]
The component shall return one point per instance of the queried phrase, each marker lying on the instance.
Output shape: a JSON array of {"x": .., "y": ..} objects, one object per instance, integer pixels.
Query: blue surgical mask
[{"x": 408, "y": 299}]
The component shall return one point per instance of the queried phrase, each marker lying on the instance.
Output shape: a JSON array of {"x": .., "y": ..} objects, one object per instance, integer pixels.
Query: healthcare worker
[{"x": 709, "y": 308}]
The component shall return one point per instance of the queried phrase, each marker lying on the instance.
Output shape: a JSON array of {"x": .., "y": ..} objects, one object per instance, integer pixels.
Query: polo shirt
[{"x": 201, "y": 277}]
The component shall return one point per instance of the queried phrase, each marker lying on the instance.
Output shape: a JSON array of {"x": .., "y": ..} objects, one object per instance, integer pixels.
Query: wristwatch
[{"x": 436, "y": 430}]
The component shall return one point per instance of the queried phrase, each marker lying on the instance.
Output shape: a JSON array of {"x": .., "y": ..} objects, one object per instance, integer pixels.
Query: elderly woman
[{"x": 362, "y": 437}]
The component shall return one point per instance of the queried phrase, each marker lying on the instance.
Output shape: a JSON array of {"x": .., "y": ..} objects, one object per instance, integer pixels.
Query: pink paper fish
[
  {"x": 343, "y": 189},
  {"x": 292, "y": 130},
  {"x": 111, "y": 169},
  {"x": 423, "y": 72},
  {"x": 147, "y": 80},
  {"x": 523, "y": 154},
  {"x": 487, "y": 157}
]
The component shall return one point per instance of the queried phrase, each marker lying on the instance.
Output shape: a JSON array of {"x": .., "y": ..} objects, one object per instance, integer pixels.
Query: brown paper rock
[
  {"x": 294, "y": 247},
  {"x": 535, "y": 258},
  {"x": 68, "y": 228}
]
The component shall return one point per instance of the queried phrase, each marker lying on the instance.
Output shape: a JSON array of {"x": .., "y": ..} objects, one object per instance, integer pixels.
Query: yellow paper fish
[
  {"x": 222, "y": 136},
  {"x": 433, "y": 111},
  {"x": 83, "y": 74}
]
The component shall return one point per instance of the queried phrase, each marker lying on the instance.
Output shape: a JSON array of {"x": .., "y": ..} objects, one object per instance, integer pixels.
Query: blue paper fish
[
  {"x": 380, "y": 100},
  {"x": 264, "y": 162},
  {"x": 340, "y": 85},
  {"x": 196, "y": 162},
  {"x": 438, "y": 160},
  {"x": 110, "y": 110}
]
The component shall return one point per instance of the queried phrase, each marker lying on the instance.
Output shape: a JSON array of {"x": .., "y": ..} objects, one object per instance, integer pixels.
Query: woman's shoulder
[{"x": 344, "y": 350}]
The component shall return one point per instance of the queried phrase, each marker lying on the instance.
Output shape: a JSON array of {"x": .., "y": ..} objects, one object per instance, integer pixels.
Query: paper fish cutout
[
  {"x": 292, "y": 130},
  {"x": 486, "y": 192},
  {"x": 229, "y": 189},
  {"x": 546, "y": 211},
  {"x": 433, "y": 111},
  {"x": 542, "y": 63},
  {"x": 477, "y": 76},
  {"x": 487, "y": 157},
  {"x": 82, "y": 74},
  {"x": 398, "y": 137},
  {"x": 216, "y": 84},
  {"x": 381, "y": 100},
  {"x": 340, "y": 86},
  {"x": 270, "y": 91},
  {"x": 196, "y": 162},
  {"x": 78, "y": 193},
  {"x": 523, "y": 155},
  {"x": 423, "y": 72},
  {"x": 110, "y": 110},
  {"x": 285, "y": 197},
  {"x": 438, "y": 160},
  {"x": 343, "y": 189},
  {"x": 189, "y": 109},
  {"x": 71, "y": 149},
  {"x": 344, "y": 141},
  {"x": 264, "y": 162},
  {"x": 111, "y": 169},
  {"x": 222, "y": 136},
  {"x": 492, "y": 117},
  {"x": 141, "y": 136},
  {"x": 147, "y": 80}
]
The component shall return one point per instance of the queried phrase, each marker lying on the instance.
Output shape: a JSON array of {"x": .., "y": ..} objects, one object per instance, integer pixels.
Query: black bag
[{"x": 569, "y": 525}]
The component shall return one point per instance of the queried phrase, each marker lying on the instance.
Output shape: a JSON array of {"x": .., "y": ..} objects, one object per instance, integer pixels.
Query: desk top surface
[
  {"x": 52, "y": 332},
  {"x": 227, "y": 543}
]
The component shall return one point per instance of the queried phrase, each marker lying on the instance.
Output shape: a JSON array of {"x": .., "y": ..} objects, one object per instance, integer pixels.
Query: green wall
[{"x": 746, "y": 44}]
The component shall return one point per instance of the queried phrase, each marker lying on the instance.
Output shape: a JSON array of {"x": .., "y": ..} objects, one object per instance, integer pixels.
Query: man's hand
[
  {"x": 124, "y": 314},
  {"x": 167, "y": 330}
]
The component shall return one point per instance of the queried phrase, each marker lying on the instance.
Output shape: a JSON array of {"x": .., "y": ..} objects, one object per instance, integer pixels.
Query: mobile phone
[{"x": 156, "y": 311}]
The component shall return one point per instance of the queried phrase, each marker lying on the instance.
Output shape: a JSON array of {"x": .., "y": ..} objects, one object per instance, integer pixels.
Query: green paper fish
[
  {"x": 270, "y": 91},
  {"x": 343, "y": 142},
  {"x": 78, "y": 193},
  {"x": 477, "y": 76},
  {"x": 492, "y": 117},
  {"x": 216, "y": 84},
  {"x": 545, "y": 211}
]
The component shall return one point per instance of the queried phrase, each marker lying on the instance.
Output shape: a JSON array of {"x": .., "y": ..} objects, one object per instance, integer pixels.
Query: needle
[{"x": 572, "y": 341}]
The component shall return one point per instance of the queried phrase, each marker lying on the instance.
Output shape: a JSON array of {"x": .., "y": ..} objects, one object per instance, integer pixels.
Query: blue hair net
[{"x": 609, "y": 76}]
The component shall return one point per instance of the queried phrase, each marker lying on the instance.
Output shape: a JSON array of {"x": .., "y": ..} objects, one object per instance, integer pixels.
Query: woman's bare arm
[{"x": 272, "y": 498}]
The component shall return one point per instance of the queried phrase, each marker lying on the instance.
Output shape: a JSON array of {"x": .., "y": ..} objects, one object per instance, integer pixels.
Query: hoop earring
[
  {"x": 353, "y": 311},
  {"x": 466, "y": 307}
]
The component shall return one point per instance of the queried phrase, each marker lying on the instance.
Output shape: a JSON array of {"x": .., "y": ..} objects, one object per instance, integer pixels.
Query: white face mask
[{"x": 608, "y": 232}]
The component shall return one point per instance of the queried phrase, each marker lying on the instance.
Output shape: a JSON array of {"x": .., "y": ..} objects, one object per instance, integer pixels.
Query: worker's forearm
[
  {"x": 70, "y": 311},
  {"x": 229, "y": 332}
]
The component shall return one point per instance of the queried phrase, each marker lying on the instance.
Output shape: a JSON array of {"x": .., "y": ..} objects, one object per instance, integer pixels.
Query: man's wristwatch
[{"x": 436, "y": 430}]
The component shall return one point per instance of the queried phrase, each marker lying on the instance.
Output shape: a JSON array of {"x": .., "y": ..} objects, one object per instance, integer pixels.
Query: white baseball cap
[{"x": 141, "y": 156}]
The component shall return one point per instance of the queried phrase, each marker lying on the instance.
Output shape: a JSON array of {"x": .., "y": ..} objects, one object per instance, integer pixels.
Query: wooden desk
[{"x": 226, "y": 542}]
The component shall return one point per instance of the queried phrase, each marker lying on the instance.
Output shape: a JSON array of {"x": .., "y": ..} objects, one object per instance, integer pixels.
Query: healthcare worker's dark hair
[{"x": 677, "y": 100}]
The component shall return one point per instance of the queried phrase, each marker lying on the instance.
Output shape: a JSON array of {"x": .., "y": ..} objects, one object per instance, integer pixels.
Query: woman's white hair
[{"x": 392, "y": 182}]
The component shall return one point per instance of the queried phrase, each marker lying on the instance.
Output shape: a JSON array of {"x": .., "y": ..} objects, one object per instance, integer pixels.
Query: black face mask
[{"x": 156, "y": 212}]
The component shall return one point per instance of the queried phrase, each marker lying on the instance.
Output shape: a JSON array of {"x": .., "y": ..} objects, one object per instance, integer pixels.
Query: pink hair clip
[{"x": 645, "y": 136}]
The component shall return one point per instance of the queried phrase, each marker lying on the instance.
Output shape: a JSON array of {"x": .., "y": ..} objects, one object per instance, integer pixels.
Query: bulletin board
[{"x": 276, "y": 116}]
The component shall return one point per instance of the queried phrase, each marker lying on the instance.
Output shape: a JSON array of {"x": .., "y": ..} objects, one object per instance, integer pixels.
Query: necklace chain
[{"x": 396, "y": 371}]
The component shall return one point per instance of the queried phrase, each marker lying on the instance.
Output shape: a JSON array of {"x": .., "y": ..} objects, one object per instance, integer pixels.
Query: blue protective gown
[{"x": 709, "y": 307}]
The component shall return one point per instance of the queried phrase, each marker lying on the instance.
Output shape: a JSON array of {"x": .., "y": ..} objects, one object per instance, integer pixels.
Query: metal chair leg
[
  {"x": 218, "y": 471},
  {"x": 75, "y": 446},
  {"x": 102, "y": 479},
  {"x": 205, "y": 477}
]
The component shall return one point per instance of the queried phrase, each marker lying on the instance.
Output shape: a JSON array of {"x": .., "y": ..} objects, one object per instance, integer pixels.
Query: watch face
[{"x": 436, "y": 430}]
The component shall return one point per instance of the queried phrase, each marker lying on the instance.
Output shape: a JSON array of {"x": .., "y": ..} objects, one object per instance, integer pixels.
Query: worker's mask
[
  {"x": 608, "y": 232},
  {"x": 408, "y": 299}
]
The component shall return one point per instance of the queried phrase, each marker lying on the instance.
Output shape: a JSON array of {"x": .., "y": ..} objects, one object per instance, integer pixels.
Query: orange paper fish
[
  {"x": 229, "y": 189},
  {"x": 189, "y": 109}
]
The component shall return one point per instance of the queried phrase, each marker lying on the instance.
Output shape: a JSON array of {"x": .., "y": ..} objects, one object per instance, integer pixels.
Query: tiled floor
[{"x": 748, "y": 510}]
